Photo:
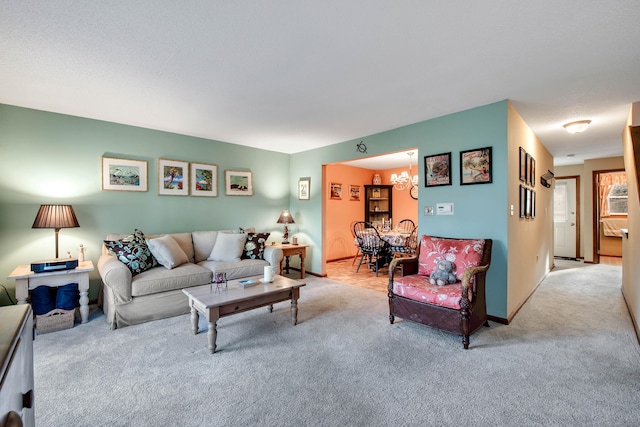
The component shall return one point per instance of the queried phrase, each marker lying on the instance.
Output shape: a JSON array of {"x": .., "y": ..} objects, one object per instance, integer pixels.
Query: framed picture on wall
[
  {"x": 523, "y": 165},
  {"x": 238, "y": 183},
  {"x": 527, "y": 178},
  {"x": 304, "y": 188},
  {"x": 124, "y": 175},
  {"x": 476, "y": 166},
  {"x": 335, "y": 191},
  {"x": 532, "y": 172},
  {"x": 528, "y": 208},
  {"x": 354, "y": 193},
  {"x": 173, "y": 177},
  {"x": 204, "y": 180},
  {"x": 437, "y": 170},
  {"x": 523, "y": 201}
]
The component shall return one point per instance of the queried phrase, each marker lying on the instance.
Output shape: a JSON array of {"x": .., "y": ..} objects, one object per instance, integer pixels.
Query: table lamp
[
  {"x": 56, "y": 217},
  {"x": 286, "y": 219}
]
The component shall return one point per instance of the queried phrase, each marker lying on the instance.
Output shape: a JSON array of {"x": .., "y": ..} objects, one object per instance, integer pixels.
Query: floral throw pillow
[
  {"x": 254, "y": 246},
  {"x": 133, "y": 252}
]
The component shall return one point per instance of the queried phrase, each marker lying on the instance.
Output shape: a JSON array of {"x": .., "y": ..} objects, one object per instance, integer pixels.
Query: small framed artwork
[
  {"x": 523, "y": 165},
  {"x": 476, "y": 166},
  {"x": 354, "y": 193},
  {"x": 533, "y": 204},
  {"x": 204, "y": 180},
  {"x": 336, "y": 191},
  {"x": 437, "y": 170},
  {"x": 304, "y": 188},
  {"x": 532, "y": 172},
  {"x": 527, "y": 178},
  {"x": 238, "y": 183},
  {"x": 173, "y": 177},
  {"x": 523, "y": 201},
  {"x": 124, "y": 175},
  {"x": 528, "y": 208}
]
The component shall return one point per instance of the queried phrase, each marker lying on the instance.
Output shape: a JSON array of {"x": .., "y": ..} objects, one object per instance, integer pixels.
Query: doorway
[
  {"x": 609, "y": 213},
  {"x": 566, "y": 217}
]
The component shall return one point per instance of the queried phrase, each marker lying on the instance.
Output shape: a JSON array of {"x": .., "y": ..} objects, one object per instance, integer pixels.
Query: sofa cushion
[
  {"x": 417, "y": 287},
  {"x": 167, "y": 251},
  {"x": 254, "y": 246},
  {"x": 227, "y": 247},
  {"x": 160, "y": 279},
  {"x": 133, "y": 252},
  {"x": 237, "y": 269},
  {"x": 462, "y": 253},
  {"x": 203, "y": 242}
]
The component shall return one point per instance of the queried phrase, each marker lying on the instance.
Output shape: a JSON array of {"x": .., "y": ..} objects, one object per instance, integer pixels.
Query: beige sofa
[{"x": 156, "y": 293}]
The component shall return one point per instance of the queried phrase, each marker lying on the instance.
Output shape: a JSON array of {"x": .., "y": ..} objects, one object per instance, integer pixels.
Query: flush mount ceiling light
[{"x": 577, "y": 127}]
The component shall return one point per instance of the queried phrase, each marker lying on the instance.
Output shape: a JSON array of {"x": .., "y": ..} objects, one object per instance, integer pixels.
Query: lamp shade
[
  {"x": 285, "y": 217},
  {"x": 55, "y": 216}
]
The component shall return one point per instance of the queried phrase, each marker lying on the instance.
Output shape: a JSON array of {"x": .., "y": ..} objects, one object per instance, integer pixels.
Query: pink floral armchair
[{"x": 458, "y": 308}]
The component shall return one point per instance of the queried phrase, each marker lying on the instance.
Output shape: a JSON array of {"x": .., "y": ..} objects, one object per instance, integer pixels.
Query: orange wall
[{"x": 342, "y": 213}]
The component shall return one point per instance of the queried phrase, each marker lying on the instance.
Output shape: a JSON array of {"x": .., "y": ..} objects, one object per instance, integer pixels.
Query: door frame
[
  {"x": 577, "y": 178},
  {"x": 595, "y": 178}
]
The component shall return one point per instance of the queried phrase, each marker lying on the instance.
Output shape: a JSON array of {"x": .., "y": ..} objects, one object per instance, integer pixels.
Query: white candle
[{"x": 267, "y": 274}]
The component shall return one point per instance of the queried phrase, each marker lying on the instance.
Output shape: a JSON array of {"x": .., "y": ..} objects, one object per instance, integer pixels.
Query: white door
[{"x": 564, "y": 218}]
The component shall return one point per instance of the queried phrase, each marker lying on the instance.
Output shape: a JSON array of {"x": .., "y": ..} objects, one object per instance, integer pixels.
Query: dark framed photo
[
  {"x": 523, "y": 201},
  {"x": 437, "y": 170},
  {"x": 528, "y": 208},
  {"x": 532, "y": 172},
  {"x": 523, "y": 165},
  {"x": 527, "y": 178},
  {"x": 533, "y": 204},
  {"x": 476, "y": 166}
]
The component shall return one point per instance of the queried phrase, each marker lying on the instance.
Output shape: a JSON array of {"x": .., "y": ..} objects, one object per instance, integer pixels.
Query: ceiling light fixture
[
  {"x": 577, "y": 127},
  {"x": 406, "y": 179}
]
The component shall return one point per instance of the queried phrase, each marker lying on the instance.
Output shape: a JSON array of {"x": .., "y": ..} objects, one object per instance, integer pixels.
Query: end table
[{"x": 27, "y": 280}]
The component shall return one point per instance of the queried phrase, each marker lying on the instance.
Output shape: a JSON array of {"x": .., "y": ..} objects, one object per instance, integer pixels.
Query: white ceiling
[{"x": 294, "y": 75}]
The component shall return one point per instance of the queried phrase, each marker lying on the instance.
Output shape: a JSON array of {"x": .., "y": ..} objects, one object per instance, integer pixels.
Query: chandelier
[{"x": 405, "y": 180}]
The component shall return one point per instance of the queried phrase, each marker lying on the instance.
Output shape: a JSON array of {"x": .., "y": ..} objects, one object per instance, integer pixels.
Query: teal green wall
[
  {"x": 480, "y": 210},
  {"x": 54, "y": 158}
]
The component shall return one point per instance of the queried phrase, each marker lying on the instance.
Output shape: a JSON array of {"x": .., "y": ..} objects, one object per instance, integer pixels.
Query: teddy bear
[{"x": 443, "y": 274}]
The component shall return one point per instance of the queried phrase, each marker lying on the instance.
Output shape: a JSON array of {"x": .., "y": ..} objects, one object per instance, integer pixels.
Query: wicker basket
[{"x": 55, "y": 320}]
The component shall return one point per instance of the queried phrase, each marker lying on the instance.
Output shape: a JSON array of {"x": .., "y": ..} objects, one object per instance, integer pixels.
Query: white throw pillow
[
  {"x": 228, "y": 247},
  {"x": 167, "y": 251}
]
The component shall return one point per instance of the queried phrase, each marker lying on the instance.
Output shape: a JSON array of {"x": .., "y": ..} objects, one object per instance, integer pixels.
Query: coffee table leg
[
  {"x": 212, "y": 334},
  {"x": 270, "y": 308},
  {"x": 294, "y": 305},
  {"x": 194, "y": 321}
]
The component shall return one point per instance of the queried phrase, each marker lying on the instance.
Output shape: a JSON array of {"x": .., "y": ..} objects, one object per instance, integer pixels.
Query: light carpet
[{"x": 570, "y": 357}]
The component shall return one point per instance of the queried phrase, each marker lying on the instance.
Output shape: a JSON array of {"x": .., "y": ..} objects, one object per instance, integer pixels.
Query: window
[{"x": 617, "y": 199}]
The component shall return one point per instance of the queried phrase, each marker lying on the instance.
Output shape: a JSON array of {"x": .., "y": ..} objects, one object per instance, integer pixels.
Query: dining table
[{"x": 397, "y": 240}]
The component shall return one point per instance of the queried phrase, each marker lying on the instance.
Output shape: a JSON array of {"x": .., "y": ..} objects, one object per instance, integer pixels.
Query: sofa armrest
[
  {"x": 116, "y": 276},
  {"x": 469, "y": 272},
  {"x": 408, "y": 266},
  {"x": 273, "y": 255}
]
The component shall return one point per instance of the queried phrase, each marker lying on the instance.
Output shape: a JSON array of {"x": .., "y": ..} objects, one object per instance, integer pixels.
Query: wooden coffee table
[{"x": 214, "y": 304}]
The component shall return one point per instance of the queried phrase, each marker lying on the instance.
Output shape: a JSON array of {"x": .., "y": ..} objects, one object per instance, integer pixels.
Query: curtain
[{"x": 607, "y": 181}]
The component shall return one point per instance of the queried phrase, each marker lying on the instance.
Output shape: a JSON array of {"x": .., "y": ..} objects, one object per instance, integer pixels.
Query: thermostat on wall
[{"x": 444, "y": 209}]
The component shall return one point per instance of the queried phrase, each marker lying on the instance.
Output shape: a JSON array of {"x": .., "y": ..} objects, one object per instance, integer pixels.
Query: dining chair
[
  {"x": 372, "y": 247},
  {"x": 355, "y": 242},
  {"x": 406, "y": 225}
]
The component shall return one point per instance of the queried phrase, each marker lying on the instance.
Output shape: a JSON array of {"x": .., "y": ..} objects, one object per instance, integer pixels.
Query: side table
[
  {"x": 289, "y": 250},
  {"x": 27, "y": 280}
]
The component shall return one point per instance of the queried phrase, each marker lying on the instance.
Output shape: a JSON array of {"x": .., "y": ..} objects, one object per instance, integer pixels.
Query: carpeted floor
[{"x": 570, "y": 357}]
